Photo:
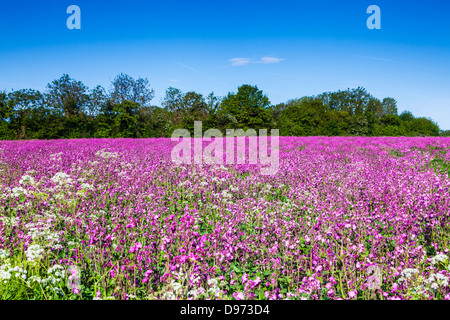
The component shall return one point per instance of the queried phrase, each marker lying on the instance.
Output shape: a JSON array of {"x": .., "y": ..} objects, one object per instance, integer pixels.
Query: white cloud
[
  {"x": 245, "y": 61},
  {"x": 240, "y": 61},
  {"x": 270, "y": 60},
  {"x": 174, "y": 80}
]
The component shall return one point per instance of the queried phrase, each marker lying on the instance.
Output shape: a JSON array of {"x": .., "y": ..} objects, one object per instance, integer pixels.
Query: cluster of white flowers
[
  {"x": 439, "y": 258},
  {"x": 126, "y": 164},
  {"x": 56, "y": 275},
  {"x": 57, "y": 271},
  {"x": 214, "y": 207},
  {"x": 218, "y": 180},
  {"x": 169, "y": 295},
  {"x": 37, "y": 230},
  {"x": 18, "y": 191},
  {"x": 51, "y": 236},
  {"x": 214, "y": 287},
  {"x": 184, "y": 183},
  {"x": 45, "y": 235},
  {"x": 50, "y": 281},
  {"x": 84, "y": 188},
  {"x": 34, "y": 252},
  {"x": 33, "y": 279},
  {"x": 407, "y": 274},
  {"x": 176, "y": 287},
  {"x": 6, "y": 272},
  {"x": 19, "y": 272},
  {"x": 56, "y": 156},
  {"x": 194, "y": 293},
  {"x": 225, "y": 194},
  {"x": 27, "y": 180},
  {"x": 106, "y": 155},
  {"x": 59, "y": 196},
  {"x": 87, "y": 186},
  {"x": 4, "y": 254},
  {"x": 436, "y": 280},
  {"x": 9, "y": 221},
  {"x": 234, "y": 189},
  {"x": 5, "y": 275},
  {"x": 61, "y": 178}
]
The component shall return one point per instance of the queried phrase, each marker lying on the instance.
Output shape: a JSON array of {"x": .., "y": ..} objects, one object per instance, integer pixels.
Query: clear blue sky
[{"x": 288, "y": 49}]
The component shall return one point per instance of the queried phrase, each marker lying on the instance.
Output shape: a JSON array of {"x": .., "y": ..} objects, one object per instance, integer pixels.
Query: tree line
[{"x": 69, "y": 109}]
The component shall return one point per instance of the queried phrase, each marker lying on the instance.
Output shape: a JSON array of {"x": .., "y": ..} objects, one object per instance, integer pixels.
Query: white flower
[
  {"x": 34, "y": 279},
  {"x": 17, "y": 191},
  {"x": 18, "y": 272},
  {"x": 27, "y": 179},
  {"x": 4, "y": 254},
  {"x": 407, "y": 274},
  {"x": 12, "y": 221},
  {"x": 176, "y": 286},
  {"x": 34, "y": 252},
  {"x": 437, "y": 280},
  {"x": 57, "y": 270},
  {"x": 226, "y": 194},
  {"x": 106, "y": 154},
  {"x": 50, "y": 281},
  {"x": 87, "y": 186},
  {"x": 439, "y": 258},
  {"x": 56, "y": 156},
  {"x": 4, "y": 272},
  {"x": 61, "y": 178}
]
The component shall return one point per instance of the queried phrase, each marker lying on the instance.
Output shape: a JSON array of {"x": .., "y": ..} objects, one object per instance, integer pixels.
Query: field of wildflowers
[{"x": 343, "y": 218}]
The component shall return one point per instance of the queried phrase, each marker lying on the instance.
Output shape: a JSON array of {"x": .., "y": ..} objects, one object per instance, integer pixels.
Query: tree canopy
[{"x": 69, "y": 109}]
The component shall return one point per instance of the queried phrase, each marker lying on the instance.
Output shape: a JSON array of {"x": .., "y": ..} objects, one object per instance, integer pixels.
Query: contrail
[{"x": 195, "y": 70}]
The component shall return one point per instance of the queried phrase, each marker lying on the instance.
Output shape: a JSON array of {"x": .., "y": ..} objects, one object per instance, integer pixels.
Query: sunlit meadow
[{"x": 117, "y": 219}]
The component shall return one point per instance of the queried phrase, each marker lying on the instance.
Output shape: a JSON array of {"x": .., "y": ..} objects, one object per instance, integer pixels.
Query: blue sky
[{"x": 288, "y": 49}]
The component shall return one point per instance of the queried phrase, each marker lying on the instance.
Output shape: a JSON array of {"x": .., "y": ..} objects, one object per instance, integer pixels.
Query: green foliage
[
  {"x": 445, "y": 133},
  {"x": 249, "y": 106},
  {"x": 68, "y": 109},
  {"x": 441, "y": 166}
]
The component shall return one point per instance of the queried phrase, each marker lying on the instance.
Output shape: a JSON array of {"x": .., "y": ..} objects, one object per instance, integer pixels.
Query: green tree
[
  {"x": 67, "y": 95},
  {"x": 389, "y": 106},
  {"x": 125, "y": 88},
  {"x": 406, "y": 116},
  {"x": 23, "y": 102},
  {"x": 249, "y": 106}
]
